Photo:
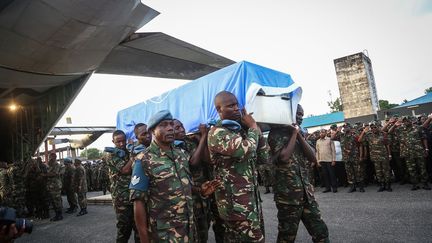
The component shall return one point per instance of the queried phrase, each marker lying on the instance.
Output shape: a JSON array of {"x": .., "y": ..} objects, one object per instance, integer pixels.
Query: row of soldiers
[
  {"x": 397, "y": 150},
  {"x": 32, "y": 187},
  {"x": 171, "y": 187}
]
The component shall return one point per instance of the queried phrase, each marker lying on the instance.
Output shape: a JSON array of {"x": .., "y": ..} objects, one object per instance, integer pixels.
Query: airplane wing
[{"x": 160, "y": 55}]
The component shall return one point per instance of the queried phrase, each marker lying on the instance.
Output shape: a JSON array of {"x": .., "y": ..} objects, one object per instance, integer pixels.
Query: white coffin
[{"x": 272, "y": 109}]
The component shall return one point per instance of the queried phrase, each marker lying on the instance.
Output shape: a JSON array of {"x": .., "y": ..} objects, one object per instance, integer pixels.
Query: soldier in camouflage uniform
[
  {"x": 80, "y": 186},
  {"x": 294, "y": 194},
  {"x": 379, "y": 153},
  {"x": 6, "y": 182},
  {"x": 266, "y": 174},
  {"x": 68, "y": 186},
  {"x": 167, "y": 198},
  {"x": 350, "y": 154},
  {"x": 54, "y": 185},
  {"x": 18, "y": 173},
  {"x": 196, "y": 147},
  {"x": 103, "y": 176},
  {"x": 413, "y": 145},
  {"x": 235, "y": 153},
  {"x": 120, "y": 168}
]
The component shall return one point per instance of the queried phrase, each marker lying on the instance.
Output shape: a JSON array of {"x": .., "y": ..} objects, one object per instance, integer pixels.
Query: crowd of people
[
  {"x": 35, "y": 187},
  {"x": 170, "y": 186}
]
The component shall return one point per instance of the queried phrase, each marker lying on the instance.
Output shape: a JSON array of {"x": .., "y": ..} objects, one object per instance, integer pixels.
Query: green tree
[
  {"x": 91, "y": 153},
  {"x": 384, "y": 105},
  {"x": 335, "y": 105},
  {"x": 428, "y": 90}
]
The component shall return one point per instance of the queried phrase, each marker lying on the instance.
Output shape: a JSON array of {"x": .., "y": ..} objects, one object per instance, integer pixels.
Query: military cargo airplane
[{"x": 50, "y": 48}]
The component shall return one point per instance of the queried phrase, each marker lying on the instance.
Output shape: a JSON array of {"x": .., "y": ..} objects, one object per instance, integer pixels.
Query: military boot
[
  {"x": 353, "y": 188},
  {"x": 381, "y": 188},
  {"x": 57, "y": 217},
  {"x": 267, "y": 190},
  {"x": 414, "y": 187},
  {"x": 82, "y": 212},
  {"x": 361, "y": 187},
  {"x": 71, "y": 210},
  {"x": 426, "y": 186},
  {"x": 388, "y": 187}
]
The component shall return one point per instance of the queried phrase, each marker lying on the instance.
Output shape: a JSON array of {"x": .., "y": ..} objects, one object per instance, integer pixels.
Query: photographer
[{"x": 9, "y": 234}]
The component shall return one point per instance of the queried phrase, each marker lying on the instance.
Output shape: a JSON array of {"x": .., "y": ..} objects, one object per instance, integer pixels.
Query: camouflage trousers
[
  {"x": 82, "y": 199},
  {"x": 354, "y": 171},
  {"x": 289, "y": 217},
  {"x": 202, "y": 218},
  {"x": 243, "y": 231},
  {"x": 125, "y": 222},
  {"x": 382, "y": 168},
  {"x": 56, "y": 200},
  {"x": 217, "y": 222},
  {"x": 71, "y": 198},
  {"x": 416, "y": 167},
  {"x": 266, "y": 174}
]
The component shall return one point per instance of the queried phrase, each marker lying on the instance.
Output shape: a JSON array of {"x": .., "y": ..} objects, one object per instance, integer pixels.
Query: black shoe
[
  {"x": 82, "y": 212},
  {"x": 57, "y": 217},
  {"x": 71, "y": 210},
  {"x": 426, "y": 186},
  {"x": 334, "y": 190},
  {"x": 388, "y": 187},
  {"x": 414, "y": 187},
  {"x": 361, "y": 189},
  {"x": 381, "y": 188},
  {"x": 326, "y": 190},
  {"x": 267, "y": 191},
  {"x": 352, "y": 189}
]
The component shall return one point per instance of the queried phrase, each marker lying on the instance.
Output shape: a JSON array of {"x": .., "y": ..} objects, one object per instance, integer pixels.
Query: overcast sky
[{"x": 301, "y": 38}]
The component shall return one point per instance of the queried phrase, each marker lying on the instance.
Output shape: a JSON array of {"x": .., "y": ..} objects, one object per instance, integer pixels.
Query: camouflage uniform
[
  {"x": 234, "y": 154},
  {"x": 398, "y": 164},
  {"x": 378, "y": 154},
  {"x": 80, "y": 186},
  {"x": 294, "y": 194},
  {"x": 19, "y": 189},
  {"x": 120, "y": 196},
  {"x": 169, "y": 197},
  {"x": 200, "y": 174},
  {"x": 350, "y": 154},
  {"x": 6, "y": 182},
  {"x": 266, "y": 174},
  {"x": 413, "y": 152},
  {"x": 103, "y": 177},
  {"x": 68, "y": 187},
  {"x": 54, "y": 185}
]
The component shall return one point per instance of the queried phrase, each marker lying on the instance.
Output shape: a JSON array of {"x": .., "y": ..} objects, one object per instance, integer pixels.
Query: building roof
[
  {"x": 314, "y": 121},
  {"x": 427, "y": 98}
]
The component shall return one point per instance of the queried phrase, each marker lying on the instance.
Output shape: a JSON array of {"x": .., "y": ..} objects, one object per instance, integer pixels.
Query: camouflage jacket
[
  {"x": 169, "y": 196},
  {"x": 68, "y": 177},
  {"x": 350, "y": 146},
  {"x": 6, "y": 193},
  {"x": 291, "y": 186},
  {"x": 235, "y": 156},
  {"x": 79, "y": 179},
  {"x": 119, "y": 182},
  {"x": 377, "y": 144},
  {"x": 54, "y": 183},
  {"x": 411, "y": 141}
]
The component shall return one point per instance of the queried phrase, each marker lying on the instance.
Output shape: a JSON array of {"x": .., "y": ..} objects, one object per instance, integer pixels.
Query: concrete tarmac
[{"x": 399, "y": 216}]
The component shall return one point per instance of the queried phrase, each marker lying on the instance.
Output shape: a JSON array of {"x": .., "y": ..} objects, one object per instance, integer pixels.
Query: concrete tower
[{"x": 356, "y": 86}]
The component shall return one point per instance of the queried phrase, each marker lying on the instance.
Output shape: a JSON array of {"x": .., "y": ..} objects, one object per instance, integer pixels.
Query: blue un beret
[{"x": 158, "y": 117}]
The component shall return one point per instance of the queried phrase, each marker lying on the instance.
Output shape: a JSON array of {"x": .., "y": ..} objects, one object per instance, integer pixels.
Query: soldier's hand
[
  {"x": 318, "y": 164},
  {"x": 248, "y": 120},
  {"x": 203, "y": 129},
  {"x": 209, "y": 187},
  {"x": 333, "y": 163},
  {"x": 366, "y": 129},
  {"x": 430, "y": 116},
  {"x": 398, "y": 123}
]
